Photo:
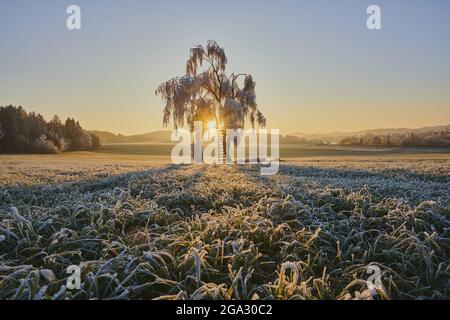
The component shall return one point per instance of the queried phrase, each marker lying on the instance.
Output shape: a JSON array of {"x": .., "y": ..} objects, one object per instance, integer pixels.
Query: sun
[{"x": 211, "y": 125}]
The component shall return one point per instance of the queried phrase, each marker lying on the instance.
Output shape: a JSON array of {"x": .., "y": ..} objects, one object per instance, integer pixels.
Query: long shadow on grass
[{"x": 40, "y": 194}]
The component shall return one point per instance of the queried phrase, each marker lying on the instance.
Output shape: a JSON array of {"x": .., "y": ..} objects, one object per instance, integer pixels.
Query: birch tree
[{"x": 207, "y": 93}]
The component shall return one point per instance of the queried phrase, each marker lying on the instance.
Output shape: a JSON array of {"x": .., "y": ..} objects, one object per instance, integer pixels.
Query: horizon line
[{"x": 291, "y": 132}]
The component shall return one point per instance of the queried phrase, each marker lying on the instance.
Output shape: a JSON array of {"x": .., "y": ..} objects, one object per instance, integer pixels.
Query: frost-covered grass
[{"x": 223, "y": 232}]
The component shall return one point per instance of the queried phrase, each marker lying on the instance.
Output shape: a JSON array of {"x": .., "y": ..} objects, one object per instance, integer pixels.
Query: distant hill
[
  {"x": 335, "y": 137},
  {"x": 155, "y": 136},
  {"x": 163, "y": 136}
]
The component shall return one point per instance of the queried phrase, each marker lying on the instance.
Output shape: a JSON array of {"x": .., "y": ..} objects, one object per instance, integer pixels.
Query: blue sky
[{"x": 317, "y": 67}]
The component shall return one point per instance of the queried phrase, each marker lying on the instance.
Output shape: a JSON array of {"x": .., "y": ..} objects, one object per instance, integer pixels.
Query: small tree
[{"x": 206, "y": 93}]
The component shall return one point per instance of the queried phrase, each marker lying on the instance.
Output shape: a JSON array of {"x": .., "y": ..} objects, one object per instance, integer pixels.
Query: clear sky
[{"x": 317, "y": 67}]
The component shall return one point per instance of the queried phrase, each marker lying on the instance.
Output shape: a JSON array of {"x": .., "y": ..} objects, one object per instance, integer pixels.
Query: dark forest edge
[
  {"x": 29, "y": 132},
  {"x": 410, "y": 139}
]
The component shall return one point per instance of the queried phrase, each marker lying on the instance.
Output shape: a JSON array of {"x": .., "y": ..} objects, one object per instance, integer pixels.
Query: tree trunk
[{"x": 224, "y": 145}]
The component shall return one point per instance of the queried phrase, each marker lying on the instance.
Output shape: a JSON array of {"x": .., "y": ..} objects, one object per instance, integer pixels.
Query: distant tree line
[
  {"x": 410, "y": 139},
  {"x": 23, "y": 132}
]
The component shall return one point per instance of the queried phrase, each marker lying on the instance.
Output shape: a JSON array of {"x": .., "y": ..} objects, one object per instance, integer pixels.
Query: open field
[
  {"x": 287, "y": 151},
  {"x": 141, "y": 228}
]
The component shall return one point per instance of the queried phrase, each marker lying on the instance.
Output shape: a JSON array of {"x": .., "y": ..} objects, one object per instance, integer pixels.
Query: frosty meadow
[{"x": 177, "y": 190}]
